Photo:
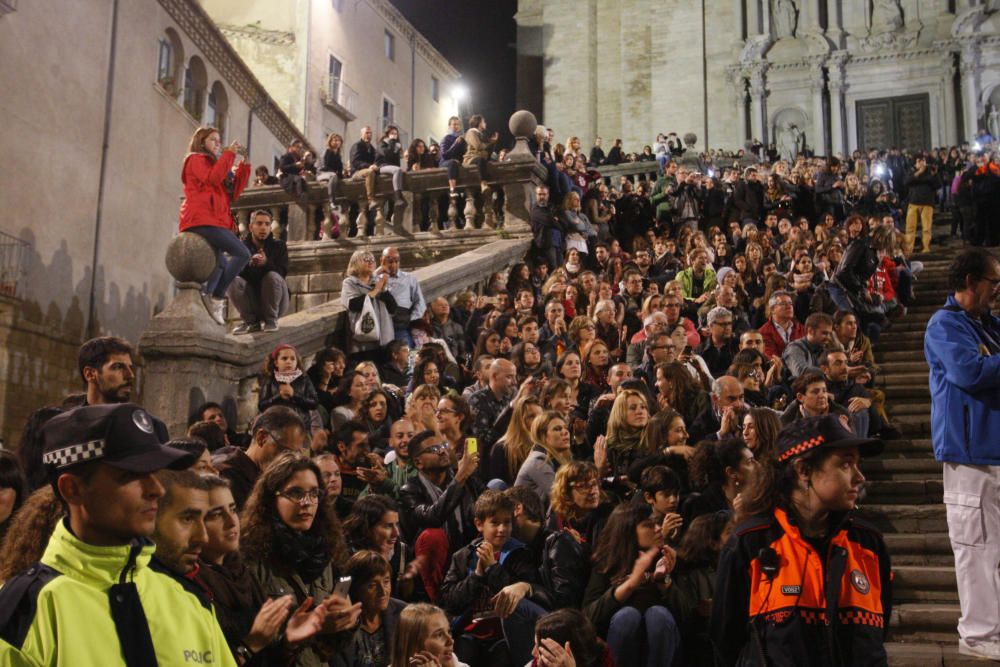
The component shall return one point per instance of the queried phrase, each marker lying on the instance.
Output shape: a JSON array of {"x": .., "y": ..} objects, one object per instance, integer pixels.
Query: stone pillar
[
  {"x": 970, "y": 88},
  {"x": 950, "y": 134},
  {"x": 837, "y": 86},
  {"x": 739, "y": 94},
  {"x": 758, "y": 107},
  {"x": 819, "y": 131}
]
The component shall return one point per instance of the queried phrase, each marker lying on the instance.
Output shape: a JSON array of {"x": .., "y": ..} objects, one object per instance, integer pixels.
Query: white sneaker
[
  {"x": 988, "y": 650},
  {"x": 216, "y": 308}
]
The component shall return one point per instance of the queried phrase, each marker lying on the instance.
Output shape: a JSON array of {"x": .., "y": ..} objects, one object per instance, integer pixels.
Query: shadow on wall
[{"x": 51, "y": 323}]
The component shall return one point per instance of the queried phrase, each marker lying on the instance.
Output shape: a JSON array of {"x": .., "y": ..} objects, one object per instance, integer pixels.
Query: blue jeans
[
  {"x": 654, "y": 630},
  {"x": 224, "y": 243},
  {"x": 519, "y": 630}
]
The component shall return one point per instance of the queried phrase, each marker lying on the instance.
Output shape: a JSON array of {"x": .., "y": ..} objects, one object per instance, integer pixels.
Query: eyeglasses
[
  {"x": 300, "y": 496},
  {"x": 586, "y": 486},
  {"x": 724, "y": 324},
  {"x": 445, "y": 411},
  {"x": 433, "y": 449},
  {"x": 991, "y": 281},
  {"x": 664, "y": 347}
]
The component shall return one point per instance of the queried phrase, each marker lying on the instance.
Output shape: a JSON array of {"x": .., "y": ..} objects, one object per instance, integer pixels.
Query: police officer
[
  {"x": 803, "y": 581},
  {"x": 93, "y": 600}
]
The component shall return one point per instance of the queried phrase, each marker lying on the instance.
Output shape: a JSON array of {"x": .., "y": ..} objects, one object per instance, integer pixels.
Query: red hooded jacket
[{"x": 206, "y": 202}]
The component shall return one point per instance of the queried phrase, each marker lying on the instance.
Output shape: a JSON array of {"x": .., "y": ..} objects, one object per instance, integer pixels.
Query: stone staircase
[{"x": 905, "y": 491}]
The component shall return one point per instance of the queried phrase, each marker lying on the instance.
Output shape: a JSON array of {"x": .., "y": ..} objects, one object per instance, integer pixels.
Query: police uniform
[
  {"x": 785, "y": 599},
  {"x": 86, "y": 605}
]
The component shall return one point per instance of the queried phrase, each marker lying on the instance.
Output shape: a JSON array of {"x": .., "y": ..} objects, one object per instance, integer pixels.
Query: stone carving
[
  {"x": 790, "y": 140},
  {"x": 887, "y": 16},
  {"x": 993, "y": 122},
  {"x": 785, "y": 16}
]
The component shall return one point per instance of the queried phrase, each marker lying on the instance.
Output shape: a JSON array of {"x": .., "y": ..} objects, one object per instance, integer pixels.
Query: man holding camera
[{"x": 921, "y": 186}]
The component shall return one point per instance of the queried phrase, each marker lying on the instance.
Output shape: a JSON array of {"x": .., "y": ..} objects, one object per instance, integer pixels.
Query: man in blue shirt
[{"x": 962, "y": 347}]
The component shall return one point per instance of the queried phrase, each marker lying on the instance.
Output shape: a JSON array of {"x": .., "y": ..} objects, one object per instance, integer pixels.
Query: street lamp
[{"x": 459, "y": 93}]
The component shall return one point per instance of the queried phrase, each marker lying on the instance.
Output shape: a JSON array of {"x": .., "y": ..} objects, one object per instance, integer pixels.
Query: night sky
[{"x": 477, "y": 37}]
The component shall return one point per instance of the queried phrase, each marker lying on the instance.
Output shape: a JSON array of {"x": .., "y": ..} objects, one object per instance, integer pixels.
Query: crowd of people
[{"x": 640, "y": 445}]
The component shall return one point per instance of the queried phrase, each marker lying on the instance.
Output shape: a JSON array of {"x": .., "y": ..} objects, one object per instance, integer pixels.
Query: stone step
[
  {"x": 923, "y": 577},
  {"x": 893, "y": 468},
  {"x": 905, "y": 378},
  {"x": 911, "y": 407},
  {"x": 892, "y": 354},
  {"x": 906, "y": 325},
  {"x": 918, "y": 426},
  {"x": 891, "y": 368},
  {"x": 914, "y": 654},
  {"x": 907, "y": 448},
  {"x": 903, "y": 518},
  {"x": 924, "y": 617},
  {"x": 932, "y": 549},
  {"x": 905, "y": 491},
  {"x": 917, "y": 392}
]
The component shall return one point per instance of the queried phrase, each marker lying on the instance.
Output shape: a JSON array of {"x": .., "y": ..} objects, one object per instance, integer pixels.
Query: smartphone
[
  {"x": 343, "y": 588},
  {"x": 471, "y": 446}
]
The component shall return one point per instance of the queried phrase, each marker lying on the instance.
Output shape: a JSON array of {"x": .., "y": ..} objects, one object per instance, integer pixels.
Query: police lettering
[{"x": 199, "y": 657}]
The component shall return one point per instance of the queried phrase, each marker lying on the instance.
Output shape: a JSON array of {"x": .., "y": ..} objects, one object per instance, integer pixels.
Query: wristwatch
[{"x": 244, "y": 654}]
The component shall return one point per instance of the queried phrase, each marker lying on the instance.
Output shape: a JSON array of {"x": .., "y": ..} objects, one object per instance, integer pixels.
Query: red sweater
[
  {"x": 774, "y": 344},
  {"x": 206, "y": 202}
]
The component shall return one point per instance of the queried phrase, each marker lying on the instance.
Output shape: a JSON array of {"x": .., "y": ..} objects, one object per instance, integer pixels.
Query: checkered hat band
[
  {"x": 802, "y": 447},
  {"x": 67, "y": 456}
]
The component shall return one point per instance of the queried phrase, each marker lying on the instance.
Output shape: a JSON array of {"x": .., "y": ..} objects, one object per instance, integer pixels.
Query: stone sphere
[
  {"x": 190, "y": 259},
  {"x": 522, "y": 123}
]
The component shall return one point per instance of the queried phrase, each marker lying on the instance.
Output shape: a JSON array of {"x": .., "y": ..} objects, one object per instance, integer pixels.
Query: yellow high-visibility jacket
[{"x": 61, "y": 613}]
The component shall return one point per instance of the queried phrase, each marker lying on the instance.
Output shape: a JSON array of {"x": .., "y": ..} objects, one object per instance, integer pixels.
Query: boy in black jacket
[{"x": 490, "y": 590}]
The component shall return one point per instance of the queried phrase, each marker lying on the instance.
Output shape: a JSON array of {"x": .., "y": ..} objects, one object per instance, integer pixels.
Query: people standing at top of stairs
[
  {"x": 213, "y": 177},
  {"x": 962, "y": 347}
]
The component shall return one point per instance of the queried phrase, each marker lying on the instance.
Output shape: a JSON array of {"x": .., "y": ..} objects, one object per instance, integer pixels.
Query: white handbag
[{"x": 366, "y": 328}]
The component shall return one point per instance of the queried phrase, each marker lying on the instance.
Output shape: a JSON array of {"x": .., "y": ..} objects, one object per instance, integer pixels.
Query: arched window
[
  {"x": 218, "y": 109},
  {"x": 169, "y": 60},
  {"x": 195, "y": 84}
]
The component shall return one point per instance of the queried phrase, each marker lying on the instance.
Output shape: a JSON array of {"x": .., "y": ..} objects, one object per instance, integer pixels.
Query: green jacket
[
  {"x": 686, "y": 279},
  {"x": 64, "y": 617}
]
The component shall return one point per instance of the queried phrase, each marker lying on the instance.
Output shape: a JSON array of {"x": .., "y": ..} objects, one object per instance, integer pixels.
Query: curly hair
[
  {"x": 261, "y": 512},
  {"x": 561, "y": 494}
]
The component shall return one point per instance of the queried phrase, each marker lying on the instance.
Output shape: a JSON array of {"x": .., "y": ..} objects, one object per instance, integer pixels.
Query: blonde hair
[
  {"x": 421, "y": 392},
  {"x": 412, "y": 631},
  {"x": 617, "y": 425},
  {"x": 371, "y": 365},
  {"x": 517, "y": 440},
  {"x": 539, "y": 429},
  {"x": 357, "y": 260}
]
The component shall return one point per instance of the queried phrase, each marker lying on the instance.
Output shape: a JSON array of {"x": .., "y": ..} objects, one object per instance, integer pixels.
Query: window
[
  {"x": 218, "y": 109},
  {"x": 169, "y": 61},
  {"x": 335, "y": 71},
  {"x": 388, "y": 112},
  {"x": 195, "y": 85},
  {"x": 435, "y": 88},
  {"x": 165, "y": 64},
  {"x": 390, "y": 46}
]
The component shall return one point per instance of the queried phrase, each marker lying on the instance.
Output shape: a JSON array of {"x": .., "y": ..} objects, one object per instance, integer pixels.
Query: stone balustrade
[{"x": 513, "y": 178}]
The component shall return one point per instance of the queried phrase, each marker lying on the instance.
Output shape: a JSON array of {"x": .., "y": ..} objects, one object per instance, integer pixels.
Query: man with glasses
[
  {"x": 659, "y": 349},
  {"x": 277, "y": 429},
  {"x": 672, "y": 307},
  {"x": 782, "y": 328},
  {"x": 655, "y": 323},
  {"x": 962, "y": 347},
  {"x": 436, "y": 506},
  {"x": 721, "y": 345}
]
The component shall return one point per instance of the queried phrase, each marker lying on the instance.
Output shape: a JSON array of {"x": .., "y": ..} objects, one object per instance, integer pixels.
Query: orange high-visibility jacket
[{"x": 829, "y": 602}]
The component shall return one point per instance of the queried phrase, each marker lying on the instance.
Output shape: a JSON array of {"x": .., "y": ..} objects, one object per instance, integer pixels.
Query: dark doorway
[{"x": 904, "y": 122}]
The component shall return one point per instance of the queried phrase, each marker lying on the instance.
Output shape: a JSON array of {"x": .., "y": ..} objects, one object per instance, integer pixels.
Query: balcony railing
[
  {"x": 13, "y": 265},
  {"x": 341, "y": 98}
]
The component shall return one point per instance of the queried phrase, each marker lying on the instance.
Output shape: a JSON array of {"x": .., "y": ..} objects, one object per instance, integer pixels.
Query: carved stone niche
[{"x": 789, "y": 128}]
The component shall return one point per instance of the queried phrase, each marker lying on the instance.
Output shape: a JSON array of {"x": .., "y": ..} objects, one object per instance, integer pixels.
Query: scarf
[
  {"x": 287, "y": 378},
  {"x": 308, "y": 554}
]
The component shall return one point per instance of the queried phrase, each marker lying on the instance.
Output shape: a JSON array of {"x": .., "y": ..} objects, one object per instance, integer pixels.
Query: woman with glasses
[
  {"x": 579, "y": 509},
  {"x": 293, "y": 544},
  {"x": 454, "y": 419},
  {"x": 358, "y": 287}
]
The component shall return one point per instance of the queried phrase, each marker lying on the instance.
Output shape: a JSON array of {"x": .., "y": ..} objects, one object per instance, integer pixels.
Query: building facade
[
  {"x": 831, "y": 75},
  {"x": 94, "y": 135},
  {"x": 338, "y": 65}
]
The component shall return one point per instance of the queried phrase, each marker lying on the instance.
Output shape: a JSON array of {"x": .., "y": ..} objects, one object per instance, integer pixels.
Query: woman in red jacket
[{"x": 212, "y": 179}]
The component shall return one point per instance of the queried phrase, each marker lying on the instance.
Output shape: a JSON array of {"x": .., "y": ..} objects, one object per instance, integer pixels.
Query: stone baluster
[
  {"x": 470, "y": 208},
  {"x": 327, "y": 224},
  {"x": 453, "y": 212},
  {"x": 433, "y": 212},
  {"x": 243, "y": 220},
  {"x": 489, "y": 215},
  {"x": 362, "y": 219},
  {"x": 379, "y": 217}
]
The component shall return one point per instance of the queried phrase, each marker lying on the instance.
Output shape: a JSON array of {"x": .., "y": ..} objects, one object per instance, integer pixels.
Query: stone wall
[{"x": 633, "y": 68}]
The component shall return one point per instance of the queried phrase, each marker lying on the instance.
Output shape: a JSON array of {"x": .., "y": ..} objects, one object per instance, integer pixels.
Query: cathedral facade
[{"x": 829, "y": 75}]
